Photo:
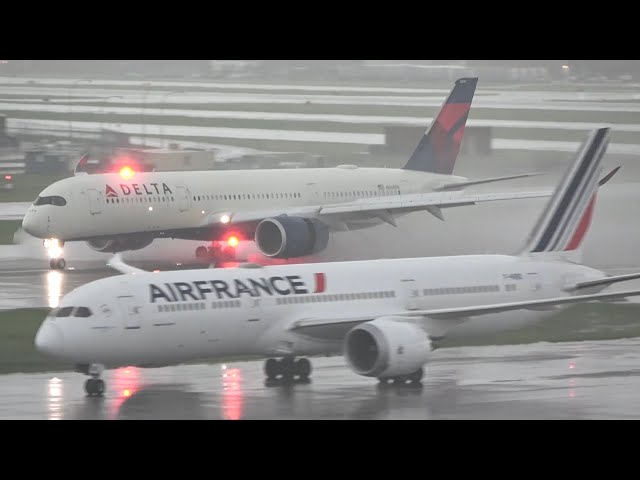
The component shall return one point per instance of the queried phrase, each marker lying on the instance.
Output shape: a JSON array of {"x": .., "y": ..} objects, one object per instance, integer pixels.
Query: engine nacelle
[
  {"x": 387, "y": 347},
  {"x": 291, "y": 237},
  {"x": 120, "y": 244}
]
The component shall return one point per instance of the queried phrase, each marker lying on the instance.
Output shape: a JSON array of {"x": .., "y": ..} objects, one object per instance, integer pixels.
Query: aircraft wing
[
  {"x": 333, "y": 327},
  {"x": 603, "y": 282},
  {"x": 461, "y": 185},
  {"x": 473, "y": 311},
  {"x": 383, "y": 207}
]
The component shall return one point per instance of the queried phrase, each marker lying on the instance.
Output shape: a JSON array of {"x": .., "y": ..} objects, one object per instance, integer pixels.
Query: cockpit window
[
  {"x": 53, "y": 200},
  {"x": 82, "y": 312},
  {"x": 64, "y": 312}
]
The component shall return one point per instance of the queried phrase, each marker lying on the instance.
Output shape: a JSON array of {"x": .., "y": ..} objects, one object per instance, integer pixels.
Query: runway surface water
[{"x": 582, "y": 380}]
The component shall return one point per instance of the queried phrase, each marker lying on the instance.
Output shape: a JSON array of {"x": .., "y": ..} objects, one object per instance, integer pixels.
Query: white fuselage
[
  {"x": 133, "y": 323},
  {"x": 106, "y": 205}
]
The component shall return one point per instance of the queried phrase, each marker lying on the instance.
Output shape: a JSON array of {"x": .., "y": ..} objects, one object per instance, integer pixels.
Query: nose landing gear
[
  {"x": 57, "y": 263},
  {"x": 54, "y": 249}
]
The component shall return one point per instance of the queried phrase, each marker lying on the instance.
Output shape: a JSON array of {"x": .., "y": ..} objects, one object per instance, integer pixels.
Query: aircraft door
[
  {"x": 312, "y": 191},
  {"x": 410, "y": 294},
  {"x": 94, "y": 201},
  {"x": 535, "y": 282},
  {"x": 184, "y": 198},
  {"x": 253, "y": 308},
  {"x": 131, "y": 311}
]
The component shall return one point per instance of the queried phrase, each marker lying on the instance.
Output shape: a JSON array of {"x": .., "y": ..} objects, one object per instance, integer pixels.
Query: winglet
[{"x": 118, "y": 264}]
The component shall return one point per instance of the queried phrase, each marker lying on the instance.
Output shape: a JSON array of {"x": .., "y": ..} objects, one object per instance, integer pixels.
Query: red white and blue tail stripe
[{"x": 567, "y": 217}]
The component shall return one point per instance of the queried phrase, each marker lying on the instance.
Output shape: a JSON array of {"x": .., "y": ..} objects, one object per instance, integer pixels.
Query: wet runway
[
  {"x": 583, "y": 380},
  {"x": 33, "y": 286}
]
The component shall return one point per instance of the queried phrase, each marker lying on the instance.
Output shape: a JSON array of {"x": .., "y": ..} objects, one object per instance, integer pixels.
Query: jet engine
[
  {"x": 120, "y": 244},
  {"x": 290, "y": 237},
  {"x": 387, "y": 347}
]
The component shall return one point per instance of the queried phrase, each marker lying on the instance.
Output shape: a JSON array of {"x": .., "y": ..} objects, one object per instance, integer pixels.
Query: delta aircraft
[
  {"x": 385, "y": 316},
  {"x": 288, "y": 212}
]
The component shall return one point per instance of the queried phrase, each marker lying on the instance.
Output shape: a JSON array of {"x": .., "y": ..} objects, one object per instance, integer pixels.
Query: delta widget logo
[{"x": 111, "y": 193}]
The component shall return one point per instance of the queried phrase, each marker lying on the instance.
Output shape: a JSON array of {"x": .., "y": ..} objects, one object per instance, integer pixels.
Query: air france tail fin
[
  {"x": 562, "y": 227},
  {"x": 438, "y": 149}
]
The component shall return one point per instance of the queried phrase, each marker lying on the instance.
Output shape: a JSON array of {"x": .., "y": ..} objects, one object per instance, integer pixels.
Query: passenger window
[{"x": 83, "y": 312}]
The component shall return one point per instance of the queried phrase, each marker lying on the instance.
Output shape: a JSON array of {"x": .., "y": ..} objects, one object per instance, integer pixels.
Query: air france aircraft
[
  {"x": 288, "y": 212},
  {"x": 385, "y": 316}
]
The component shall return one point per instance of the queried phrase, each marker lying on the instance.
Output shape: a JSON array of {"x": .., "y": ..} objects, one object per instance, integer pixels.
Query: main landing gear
[
  {"x": 287, "y": 371},
  {"x": 215, "y": 253},
  {"x": 95, "y": 386},
  {"x": 413, "y": 379}
]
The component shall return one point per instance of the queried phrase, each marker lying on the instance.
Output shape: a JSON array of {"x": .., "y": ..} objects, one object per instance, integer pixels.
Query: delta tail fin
[
  {"x": 438, "y": 149},
  {"x": 563, "y": 225}
]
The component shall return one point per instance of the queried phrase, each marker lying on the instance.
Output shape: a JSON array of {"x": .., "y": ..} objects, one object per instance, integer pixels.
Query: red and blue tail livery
[{"x": 438, "y": 149}]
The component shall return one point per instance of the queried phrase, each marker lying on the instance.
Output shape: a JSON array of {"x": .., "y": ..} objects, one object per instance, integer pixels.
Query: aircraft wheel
[
  {"x": 400, "y": 380},
  {"x": 57, "y": 263},
  {"x": 271, "y": 368},
  {"x": 94, "y": 387},
  {"x": 287, "y": 369},
  {"x": 302, "y": 368},
  {"x": 416, "y": 376}
]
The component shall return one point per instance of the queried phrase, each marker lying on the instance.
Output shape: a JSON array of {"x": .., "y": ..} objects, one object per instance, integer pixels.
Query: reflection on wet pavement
[{"x": 544, "y": 380}]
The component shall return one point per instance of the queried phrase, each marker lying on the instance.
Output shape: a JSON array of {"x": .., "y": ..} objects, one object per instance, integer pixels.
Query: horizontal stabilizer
[
  {"x": 461, "y": 185},
  {"x": 608, "y": 176}
]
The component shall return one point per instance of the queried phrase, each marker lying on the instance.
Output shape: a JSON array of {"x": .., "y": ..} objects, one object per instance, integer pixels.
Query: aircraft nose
[
  {"x": 30, "y": 225},
  {"x": 49, "y": 339}
]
